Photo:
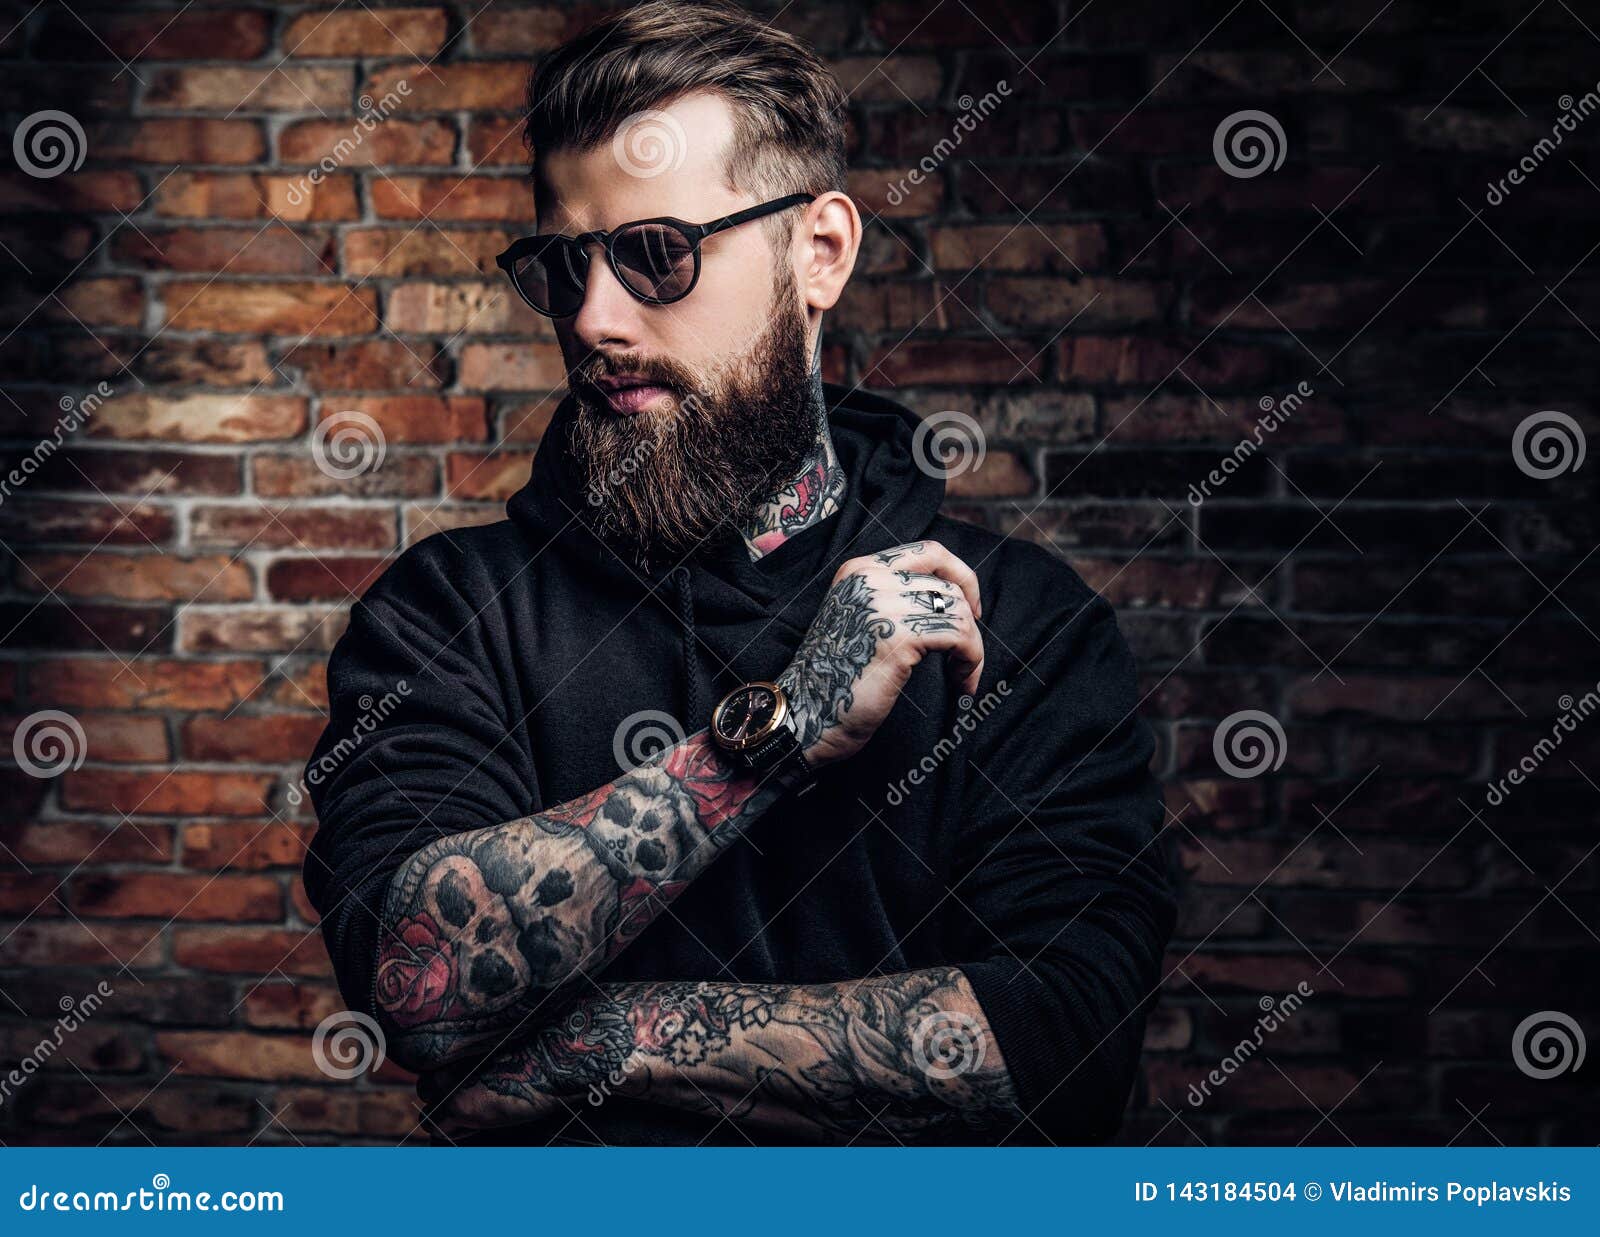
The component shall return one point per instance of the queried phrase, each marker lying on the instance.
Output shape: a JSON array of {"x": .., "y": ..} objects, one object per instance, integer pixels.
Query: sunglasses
[{"x": 657, "y": 260}]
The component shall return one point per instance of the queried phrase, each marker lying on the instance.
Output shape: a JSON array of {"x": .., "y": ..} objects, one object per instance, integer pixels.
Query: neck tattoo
[{"x": 807, "y": 498}]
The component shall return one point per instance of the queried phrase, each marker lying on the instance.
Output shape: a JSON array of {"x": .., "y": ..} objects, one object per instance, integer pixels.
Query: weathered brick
[
  {"x": 281, "y": 526},
  {"x": 169, "y": 793},
  {"x": 244, "y": 195},
  {"x": 200, "y": 418},
  {"x": 169, "y": 895},
  {"x": 386, "y": 32},
  {"x": 270, "y": 308},
  {"x": 388, "y": 144}
]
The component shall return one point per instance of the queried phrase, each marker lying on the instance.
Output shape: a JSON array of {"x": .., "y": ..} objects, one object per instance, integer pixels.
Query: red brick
[
  {"x": 324, "y": 578},
  {"x": 453, "y": 197},
  {"x": 220, "y": 34},
  {"x": 496, "y": 141},
  {"x": 388, "y": 1113},
  {"x": 166, "y": 793},
  {"x": 247, "y": 845},
  {"x": 171, "y": 895},
  {"x": 114, "y": 737},
  {"x": 1034, "y": 247},
  {"x": 420, "y": 418},
  {"x": 893, "y": 194},
  {"x": 239, "y": 1054},
  {"x": 512, "y": 367},
  {"x": 406, "y": 476},
  {"x": 150, "y": 683},
  {"x": 107, "y": 473},
  {"x": 496, "y": 476},
  {"x": 280, "y": 629},
  {"x": 377, "y": 364},
  {"x": 181, "y": 140},
  {"x": 270, "y": 308},
  {"x": 71, "y": 944},
  {"x": 246, "y": 195},
  {"x": 523, "y": 31},
  {"x": 138, "y": 576},
  {"x": 291, "y": 1006},
  {"x": 916, "y": 360},
  {"x": 91, "y": 523},
  {"x": 256, "y": 952},
  {"x": 386, "y": 32},
  {"x": 280, "y": 526},
  {"x": 425, "y": 250},
  {"x": 236, "y": 251},
  {"x": 473, "y": 86},
  {"x": 200, "y": 418},
  {"x": 425, "y": 519},
  {"x": 392, "y": 143},
  {"x": 279, "y": 88},
  {"x": 89, "y": 191},
  {"x": 74, "y": 841},
  {"x": 253, "y": 739},
  {"x": 463, "y": 308}
]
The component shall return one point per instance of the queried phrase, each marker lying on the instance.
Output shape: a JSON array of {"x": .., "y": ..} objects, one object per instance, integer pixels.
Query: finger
[
  {"x": 932, "y": 558},
  {"x": 954, "y": 633}
]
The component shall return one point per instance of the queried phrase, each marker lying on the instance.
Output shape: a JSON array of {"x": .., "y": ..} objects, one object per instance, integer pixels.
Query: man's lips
[{"x": 630, "y": 393}]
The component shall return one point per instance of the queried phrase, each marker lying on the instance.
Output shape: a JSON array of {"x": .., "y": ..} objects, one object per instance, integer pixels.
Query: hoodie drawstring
[{"x": 696, "y": 715}]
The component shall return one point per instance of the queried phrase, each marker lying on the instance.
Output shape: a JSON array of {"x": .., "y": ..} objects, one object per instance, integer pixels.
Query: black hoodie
[{"x": 1012, "y": 835}]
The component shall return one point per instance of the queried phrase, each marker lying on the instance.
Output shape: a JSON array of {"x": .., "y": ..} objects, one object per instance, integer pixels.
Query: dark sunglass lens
[
  {"x": 655, "y": 260},
  {"x": 552, "y": 279}
]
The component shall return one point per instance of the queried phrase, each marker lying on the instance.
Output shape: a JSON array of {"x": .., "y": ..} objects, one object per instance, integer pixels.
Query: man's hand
[{"x": 884, "y": 613}]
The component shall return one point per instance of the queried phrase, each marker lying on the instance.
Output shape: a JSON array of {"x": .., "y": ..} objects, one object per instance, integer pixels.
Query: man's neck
[{"x": 807, "y": 498}]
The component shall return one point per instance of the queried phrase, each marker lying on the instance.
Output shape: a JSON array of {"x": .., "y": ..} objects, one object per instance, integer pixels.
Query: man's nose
[{"x": 609, "y": 313}]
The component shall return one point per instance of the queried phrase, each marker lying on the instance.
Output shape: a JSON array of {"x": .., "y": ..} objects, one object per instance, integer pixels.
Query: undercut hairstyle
[{"x": 788, "y": 108}]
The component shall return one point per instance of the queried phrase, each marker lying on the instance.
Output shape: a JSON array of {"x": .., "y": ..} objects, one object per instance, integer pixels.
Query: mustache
[{"x": 659, "y": 371}]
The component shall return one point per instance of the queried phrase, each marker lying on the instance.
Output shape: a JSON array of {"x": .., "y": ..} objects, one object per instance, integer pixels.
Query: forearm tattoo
[
  {"x": 891, "y": 1058},
  {"x": 482, "y": 926},
  {"x": 837, "y": 648}
]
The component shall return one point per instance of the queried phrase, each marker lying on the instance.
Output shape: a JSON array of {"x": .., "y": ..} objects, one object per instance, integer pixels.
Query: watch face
[{"x": 747, "y": 714}]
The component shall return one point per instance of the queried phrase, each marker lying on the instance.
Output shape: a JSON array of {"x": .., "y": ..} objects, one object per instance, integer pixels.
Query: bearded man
[{"x": 889, "y": 872}]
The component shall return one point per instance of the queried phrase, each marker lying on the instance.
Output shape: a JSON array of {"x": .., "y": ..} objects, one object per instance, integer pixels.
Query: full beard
[{"x": 662, "y": 482}]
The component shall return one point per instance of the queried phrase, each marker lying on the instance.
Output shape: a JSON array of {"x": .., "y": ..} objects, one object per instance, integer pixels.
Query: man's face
[{"x": 721, "y": 418}]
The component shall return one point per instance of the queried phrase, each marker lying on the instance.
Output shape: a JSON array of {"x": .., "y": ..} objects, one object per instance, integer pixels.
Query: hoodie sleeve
[
  {"x": 1070, "y": 892},
  {"x": 418, "y": 746}
]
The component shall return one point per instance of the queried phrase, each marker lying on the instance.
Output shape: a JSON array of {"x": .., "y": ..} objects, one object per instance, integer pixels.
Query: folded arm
[
  {"x": 481, "y": 927},
  {"x": 893, "y": 1058}
]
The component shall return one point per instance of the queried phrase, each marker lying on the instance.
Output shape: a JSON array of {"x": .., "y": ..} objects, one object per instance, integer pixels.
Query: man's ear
[{"x": 827, "y": 240}]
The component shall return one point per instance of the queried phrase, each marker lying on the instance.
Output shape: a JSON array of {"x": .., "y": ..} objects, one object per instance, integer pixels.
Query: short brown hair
[{"x": 788, "y": 108}]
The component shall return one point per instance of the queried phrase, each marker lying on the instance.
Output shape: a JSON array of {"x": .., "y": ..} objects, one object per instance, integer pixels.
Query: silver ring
[{"x": 938, "y": 601}]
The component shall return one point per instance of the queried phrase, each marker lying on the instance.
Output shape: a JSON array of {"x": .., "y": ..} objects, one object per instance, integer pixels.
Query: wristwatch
[{"x": 754, "y": 727}]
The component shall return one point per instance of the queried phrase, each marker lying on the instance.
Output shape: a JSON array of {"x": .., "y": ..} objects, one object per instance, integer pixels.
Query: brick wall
[{"x": 1079, "y": 274}]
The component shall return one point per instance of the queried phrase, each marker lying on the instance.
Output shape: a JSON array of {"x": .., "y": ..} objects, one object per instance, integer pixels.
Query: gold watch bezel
[{"x": 780, "y": 717}]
